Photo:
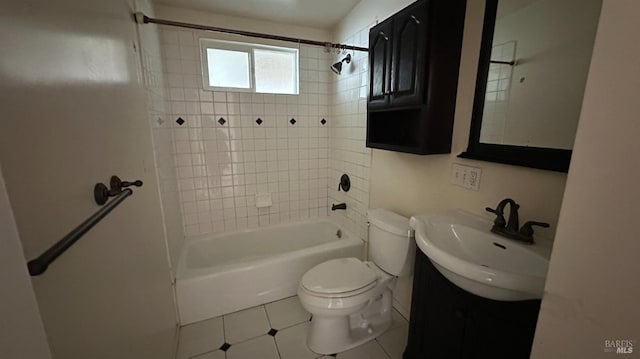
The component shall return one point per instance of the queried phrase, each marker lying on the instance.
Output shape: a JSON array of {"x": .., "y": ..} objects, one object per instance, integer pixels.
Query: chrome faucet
[{"x": 509, "y": 228}]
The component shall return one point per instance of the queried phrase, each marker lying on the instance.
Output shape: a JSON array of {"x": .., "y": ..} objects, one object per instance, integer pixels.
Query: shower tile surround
[
  {"x": 347, "y": 136},
  {"x": 219, "y": 165},
  {"x": 222, "y": 164}
]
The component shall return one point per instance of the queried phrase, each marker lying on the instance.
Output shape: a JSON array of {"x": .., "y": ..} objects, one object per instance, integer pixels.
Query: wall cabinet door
[
  {"x": 414, "y": 59},
  {"x": 408, "y": 62},
  {"x": 380, "y": 64}
]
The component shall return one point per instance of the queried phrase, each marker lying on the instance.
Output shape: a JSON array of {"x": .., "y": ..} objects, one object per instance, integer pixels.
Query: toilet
[{"x": 351, "y": 300}]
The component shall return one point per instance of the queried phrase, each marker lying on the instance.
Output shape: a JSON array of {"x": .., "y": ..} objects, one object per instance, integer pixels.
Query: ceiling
[{"x": 313, "y": 13}]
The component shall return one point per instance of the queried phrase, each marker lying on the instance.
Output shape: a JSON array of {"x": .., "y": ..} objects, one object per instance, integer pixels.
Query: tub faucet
[{"x": 338, "y": 206}]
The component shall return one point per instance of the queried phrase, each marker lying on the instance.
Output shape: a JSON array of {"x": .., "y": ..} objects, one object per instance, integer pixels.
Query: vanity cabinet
[
  {"x": 448, "y": 322},
  {"x": 414, "y": 59}
]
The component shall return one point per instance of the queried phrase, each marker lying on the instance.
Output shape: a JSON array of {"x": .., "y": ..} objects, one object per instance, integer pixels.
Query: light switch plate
[{"x": 466, "y": 176}]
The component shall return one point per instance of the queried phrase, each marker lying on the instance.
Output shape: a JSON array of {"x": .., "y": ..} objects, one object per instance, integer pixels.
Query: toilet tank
[{"x": 391, "y": 243}]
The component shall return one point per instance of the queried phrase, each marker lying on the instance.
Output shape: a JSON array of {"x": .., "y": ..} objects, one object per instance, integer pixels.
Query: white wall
[
  {"x": 75, "y": 113},
  {"x": 160, "y": 120},
  {"x": 220, "y": 168},
  {"x": 241, "y": 23},
  {"x": 592, "y": 289},
  {"x": 554, "y": 41},
  {"x": 410, "y": 184},
  {"x": 22, "y": 334}
]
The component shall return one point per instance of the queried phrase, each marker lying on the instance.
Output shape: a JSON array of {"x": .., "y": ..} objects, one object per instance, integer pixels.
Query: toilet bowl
[{"x": 351, "y": 300}]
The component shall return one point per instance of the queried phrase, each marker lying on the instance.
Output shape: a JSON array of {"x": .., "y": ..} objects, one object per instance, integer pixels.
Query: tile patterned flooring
[{"x": 276, "y": 330}]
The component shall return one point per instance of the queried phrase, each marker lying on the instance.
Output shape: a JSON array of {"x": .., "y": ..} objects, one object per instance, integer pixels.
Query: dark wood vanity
[{"x": 448, "y": 322}]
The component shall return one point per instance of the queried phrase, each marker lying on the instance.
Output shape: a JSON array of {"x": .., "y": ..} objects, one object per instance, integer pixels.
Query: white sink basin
[{"x": 462, "y": 248}]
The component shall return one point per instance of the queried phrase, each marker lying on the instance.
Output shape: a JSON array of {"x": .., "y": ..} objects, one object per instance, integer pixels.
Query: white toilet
[{"x": 351, "y": 300}]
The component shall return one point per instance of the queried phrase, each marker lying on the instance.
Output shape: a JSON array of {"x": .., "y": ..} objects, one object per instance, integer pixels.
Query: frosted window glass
[
  {"x": 228, "y": 68},
  {"x": 276, "y": 71}
]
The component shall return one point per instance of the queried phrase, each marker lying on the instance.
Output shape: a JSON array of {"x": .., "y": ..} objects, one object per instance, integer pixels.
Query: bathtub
[{"x": 221, "y": 274}]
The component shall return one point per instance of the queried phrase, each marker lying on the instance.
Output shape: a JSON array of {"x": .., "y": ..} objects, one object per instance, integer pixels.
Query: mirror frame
[{"x": 536, "y": 157}]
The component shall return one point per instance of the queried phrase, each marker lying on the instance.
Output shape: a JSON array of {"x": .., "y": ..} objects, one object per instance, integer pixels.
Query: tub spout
[{"x": 338, "y": 206}]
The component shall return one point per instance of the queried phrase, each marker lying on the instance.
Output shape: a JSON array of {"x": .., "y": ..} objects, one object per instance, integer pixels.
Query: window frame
[{"x": 249, "y": 48}]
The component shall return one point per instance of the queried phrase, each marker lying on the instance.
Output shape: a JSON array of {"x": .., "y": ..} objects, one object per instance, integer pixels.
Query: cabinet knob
[
  {"x": 414, "y": 18},
  {"x": 384, "y": 36}
]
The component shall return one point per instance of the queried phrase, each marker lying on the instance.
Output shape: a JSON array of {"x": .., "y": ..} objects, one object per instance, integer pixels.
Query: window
[{"x": 234, "y": 66}]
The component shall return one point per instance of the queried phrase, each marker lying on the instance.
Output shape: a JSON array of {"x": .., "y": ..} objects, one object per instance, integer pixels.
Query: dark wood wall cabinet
[
  {"x": 414, "y": 60},
  {"x": 448, "y": 322}
]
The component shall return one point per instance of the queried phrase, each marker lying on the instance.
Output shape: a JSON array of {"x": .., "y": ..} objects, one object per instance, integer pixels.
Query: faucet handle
[
  {"x": 527, "y": 229},
  {"x": 499, "y": 221}
]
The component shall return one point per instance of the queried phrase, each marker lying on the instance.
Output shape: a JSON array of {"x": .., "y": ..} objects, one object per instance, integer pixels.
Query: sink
[{"x": 462, "y": 248}]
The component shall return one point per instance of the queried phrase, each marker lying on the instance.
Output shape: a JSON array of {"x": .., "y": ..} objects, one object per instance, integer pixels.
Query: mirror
[{"x": 532, "y": 72}]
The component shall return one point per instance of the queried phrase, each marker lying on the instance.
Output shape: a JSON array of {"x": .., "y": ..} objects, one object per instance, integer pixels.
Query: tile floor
[{"x": 276, "y": 330}]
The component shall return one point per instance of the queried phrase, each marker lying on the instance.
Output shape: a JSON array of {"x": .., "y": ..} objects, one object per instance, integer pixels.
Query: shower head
[{"x": 337, "y": 67}]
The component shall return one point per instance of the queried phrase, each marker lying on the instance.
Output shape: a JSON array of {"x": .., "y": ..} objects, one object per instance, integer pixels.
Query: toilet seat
[{"x": 339, "y": 278}]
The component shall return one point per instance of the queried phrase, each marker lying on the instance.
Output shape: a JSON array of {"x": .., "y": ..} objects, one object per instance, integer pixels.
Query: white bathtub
[{"x": 222, "y": 274}]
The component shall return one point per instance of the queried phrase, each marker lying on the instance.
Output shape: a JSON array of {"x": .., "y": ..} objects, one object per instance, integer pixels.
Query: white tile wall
[
  {"x": 220, "y": 168},
  {"x": 347, "y": 137}
]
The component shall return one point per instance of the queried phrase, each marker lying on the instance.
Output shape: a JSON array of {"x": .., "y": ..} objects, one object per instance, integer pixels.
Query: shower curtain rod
[{"x": 144, "y": 19}]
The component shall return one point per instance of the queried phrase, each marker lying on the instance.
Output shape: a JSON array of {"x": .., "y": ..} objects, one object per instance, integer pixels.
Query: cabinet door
[
  {"x": 438, "y": 315},
  {"x": 500, "y": 329},
  {"x": 379, "y": 64},
  {"x": 409, "y": 55}
]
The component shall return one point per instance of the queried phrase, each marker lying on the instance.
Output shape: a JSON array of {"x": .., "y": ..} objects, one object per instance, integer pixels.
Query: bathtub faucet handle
[{"x": 345, "y": 183}]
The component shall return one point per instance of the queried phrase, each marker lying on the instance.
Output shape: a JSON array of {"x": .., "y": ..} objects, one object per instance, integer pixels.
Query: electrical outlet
[{"x": 466, "y": 176}]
